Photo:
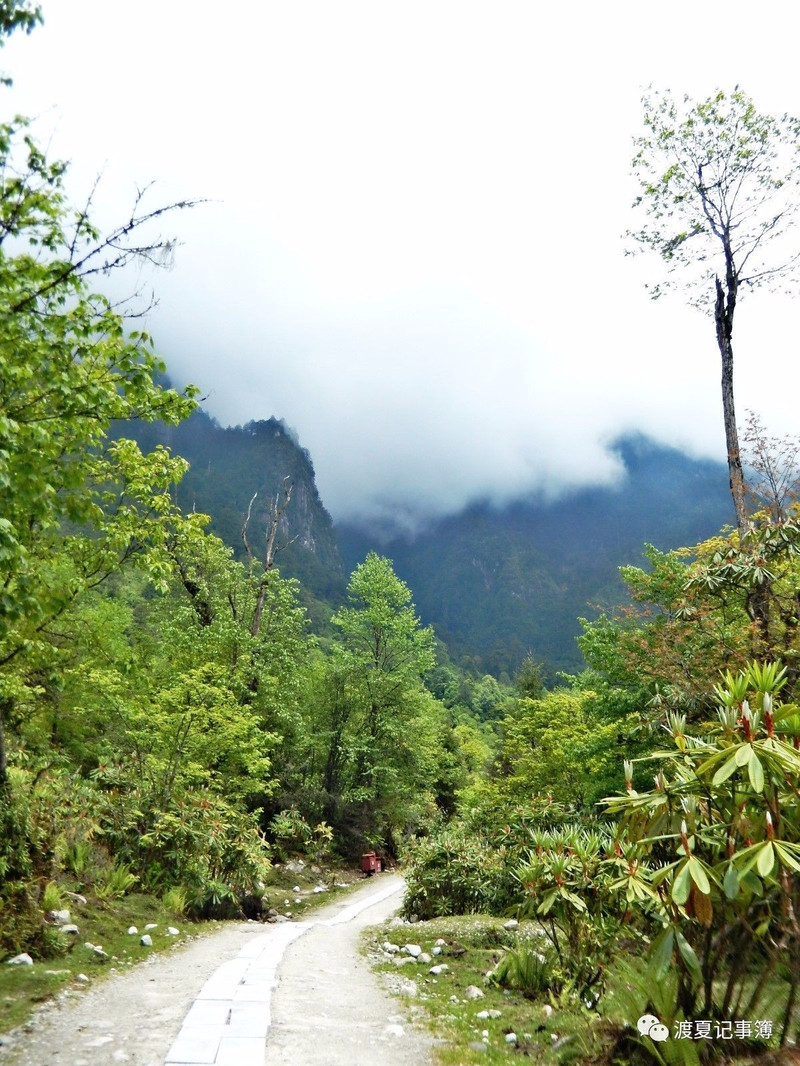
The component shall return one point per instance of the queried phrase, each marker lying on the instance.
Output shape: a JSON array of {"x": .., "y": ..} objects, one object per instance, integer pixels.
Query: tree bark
[
  {"x": 3, "y": 762},
  {"x": 277, "y": 507},
  {"x": 724, "y": 308}
]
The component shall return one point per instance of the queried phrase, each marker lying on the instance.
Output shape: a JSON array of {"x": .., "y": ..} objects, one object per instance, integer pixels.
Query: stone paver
[{"x": 228, "y": 1023}]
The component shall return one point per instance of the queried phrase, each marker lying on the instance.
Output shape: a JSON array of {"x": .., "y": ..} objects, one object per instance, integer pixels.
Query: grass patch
[
  {"x": 104, "y": 925},
  {"x": 546, "y": 1030},
  {"x": 550, "y": 1027},
  {"x": 23, "y": 988},
  {"x": 317, "y": 886}
]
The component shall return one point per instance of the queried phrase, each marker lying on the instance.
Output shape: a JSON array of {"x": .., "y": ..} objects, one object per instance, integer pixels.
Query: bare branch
[
  {"x": 277, "y": 508},
  {"x": 244, "y": 529}
]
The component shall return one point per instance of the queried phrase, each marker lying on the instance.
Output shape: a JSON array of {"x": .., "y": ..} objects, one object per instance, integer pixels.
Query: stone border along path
[{"x": 229, "y": 1020}]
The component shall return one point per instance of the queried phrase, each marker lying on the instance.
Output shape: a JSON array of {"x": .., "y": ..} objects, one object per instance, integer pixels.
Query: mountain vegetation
[
  {"x": 167, "y": 720},
  {"x": 230, "y": 468},
  {"x": 669, "y": 918},
  {"x": 500, "y": 584},
  {"x": 170, "y": 719},
  {"x": 497, "y": 584}
]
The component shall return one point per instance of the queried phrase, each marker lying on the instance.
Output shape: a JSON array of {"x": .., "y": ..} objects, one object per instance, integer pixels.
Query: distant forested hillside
[
  {"x": 229, "y": 465},
  {"x": 499, "y": 584}
]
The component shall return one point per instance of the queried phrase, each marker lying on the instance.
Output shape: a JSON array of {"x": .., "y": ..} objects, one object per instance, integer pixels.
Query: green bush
[
  {"x": 200, "y": 843},
  {"x": 709, "y": 857},
  {"x": 37, "y": 809},
  {"x": 528, "y": 970},
  {"x": 52, "y": 900},
  {"x": 76, "y": 857},
  {"x": 457, "y": 872}
]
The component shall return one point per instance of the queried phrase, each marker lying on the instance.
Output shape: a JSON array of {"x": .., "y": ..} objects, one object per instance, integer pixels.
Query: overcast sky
[{"x": 412, "y": 251}]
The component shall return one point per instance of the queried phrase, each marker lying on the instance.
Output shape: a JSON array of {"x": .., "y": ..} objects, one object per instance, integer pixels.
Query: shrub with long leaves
[
  {"x": 566, "y": 883},
  {"x": 716, "y": 842},
  {"x": 456, "y": 871}
]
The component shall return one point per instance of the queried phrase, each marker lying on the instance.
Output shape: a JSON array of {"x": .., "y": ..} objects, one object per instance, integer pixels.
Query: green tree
[
  {"x": 18, "y": 14},
  {"x": 209, "y": 619},
  {"x": 75, "y": 506},
  {"x": 700, "y": 611},
  {"x": 555, "y": 745},
  {"x": 719, "y": 185},
  {"x": 388, "y": 716}
]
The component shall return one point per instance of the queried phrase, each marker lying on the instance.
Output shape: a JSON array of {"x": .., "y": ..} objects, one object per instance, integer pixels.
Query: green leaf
[
  {"x": 785, "y": 857},
  {"x": 731, "y": 882},
  {"x": 661, "y": 955},
  {"x": 689, "y": 957},
  {"x": 756, "y": 772},
  {"x": 751, "y": 883},
  {"x": 766, "y": 859},
  {"x": 743, "y": 754},
  {"x": 698, "y": 875},
  {"x": 726, "y": 770},
  {"x": 681, "y": 885}
]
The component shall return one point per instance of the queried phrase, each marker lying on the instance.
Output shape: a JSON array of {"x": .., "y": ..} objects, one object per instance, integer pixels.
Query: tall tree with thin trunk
[{"x": 720, "y": 185}]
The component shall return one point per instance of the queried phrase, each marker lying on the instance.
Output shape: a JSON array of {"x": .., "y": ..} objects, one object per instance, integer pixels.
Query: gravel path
[{"x": 327, "y": 1007}]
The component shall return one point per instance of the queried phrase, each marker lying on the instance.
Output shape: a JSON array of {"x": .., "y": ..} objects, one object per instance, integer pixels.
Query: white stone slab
[
  {"x": 257, "y": 992},
  {"x": 254, "y": 947},
  {"x": 249, "y": 1019},
  {"x": 209, "y": 1012},
  {"x": 195, "y": 1043},
  {"x": 218, "y": 989},
  {"x": 261, "y": 975},
  {"x": 348, "y": 913},
  {"x": 234, "y": 969},
  {"x": 240, "y": 1051}
]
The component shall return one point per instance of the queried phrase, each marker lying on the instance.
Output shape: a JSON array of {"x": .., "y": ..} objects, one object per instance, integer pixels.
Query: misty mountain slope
[
  {"x": 498, "y": 584},
  {"x": 228, "y": 465}
]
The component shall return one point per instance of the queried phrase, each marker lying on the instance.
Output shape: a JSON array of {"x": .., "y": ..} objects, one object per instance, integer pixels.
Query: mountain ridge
[
  {"x": 498, "y": 583},
  {"x": 501, "y": 583}
]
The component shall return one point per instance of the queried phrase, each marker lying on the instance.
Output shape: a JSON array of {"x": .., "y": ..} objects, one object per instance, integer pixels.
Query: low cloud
[
  {"x": 411, "y": 247},
  {"x": 436, "y": 402}
]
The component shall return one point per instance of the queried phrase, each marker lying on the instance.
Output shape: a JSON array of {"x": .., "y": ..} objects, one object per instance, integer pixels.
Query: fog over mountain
[{"x": 411, "y": 250}]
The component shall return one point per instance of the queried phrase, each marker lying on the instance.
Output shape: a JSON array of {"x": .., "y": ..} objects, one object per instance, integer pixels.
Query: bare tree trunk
[
  {"x": 277, "y": 508},
  {"x": 723, "y": 317}
]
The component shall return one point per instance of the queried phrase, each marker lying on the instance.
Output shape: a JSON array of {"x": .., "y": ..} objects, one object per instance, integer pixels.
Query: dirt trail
[{"x": 327, "y": 1007}]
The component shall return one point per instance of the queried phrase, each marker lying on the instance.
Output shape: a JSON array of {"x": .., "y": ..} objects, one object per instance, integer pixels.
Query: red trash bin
[{"x": 370, "y": 863}]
